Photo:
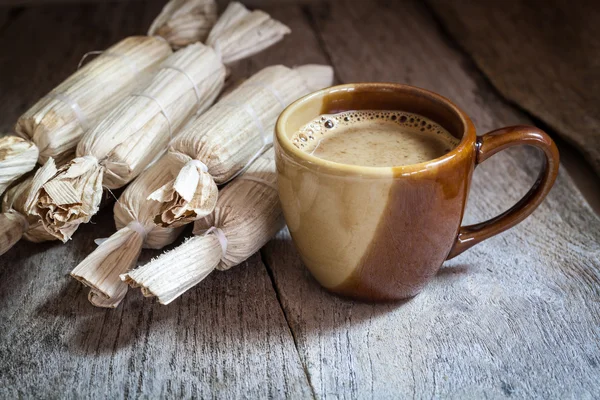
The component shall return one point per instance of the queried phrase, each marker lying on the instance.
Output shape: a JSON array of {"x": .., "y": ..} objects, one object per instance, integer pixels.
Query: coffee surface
[{"x": 374, "y": 138}]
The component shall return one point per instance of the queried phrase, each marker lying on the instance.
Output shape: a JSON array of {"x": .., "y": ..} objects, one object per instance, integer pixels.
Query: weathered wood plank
[
  {"x": 227, "y": 337},
  {"x": 224, "y": 337},
  {"x": 543, "y": 56},
  {"x": 516, "y": 316}
]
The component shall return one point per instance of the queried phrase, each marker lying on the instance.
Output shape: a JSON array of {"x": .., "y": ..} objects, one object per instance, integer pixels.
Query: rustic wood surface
[
  {"x": 516, "y": 316},
  {"x": 227, "y": 338},
  {"x": 551, "y": 67}
]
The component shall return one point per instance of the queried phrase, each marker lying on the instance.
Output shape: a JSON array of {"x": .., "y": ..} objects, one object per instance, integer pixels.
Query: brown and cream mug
[{"x": 381, "y": 233}]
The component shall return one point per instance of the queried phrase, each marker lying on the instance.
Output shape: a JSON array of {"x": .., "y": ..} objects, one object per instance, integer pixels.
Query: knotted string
[
  {"x": 223, "y": 241},
  {"x": 138, "y": 227}
]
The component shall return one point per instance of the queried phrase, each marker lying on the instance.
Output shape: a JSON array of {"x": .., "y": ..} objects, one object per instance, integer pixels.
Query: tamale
[
  {"x": 57, "y": 121},
  {"x": 100, "y": 270},
  {"x": 15, "y": 223},
  {"x": 246, "y": 217},
  {"x": 139, "y": 129},
  {"x": 119, "y": 253},
  {"x": 17, "y": 157},
  {"x": 224, "y": 140}
]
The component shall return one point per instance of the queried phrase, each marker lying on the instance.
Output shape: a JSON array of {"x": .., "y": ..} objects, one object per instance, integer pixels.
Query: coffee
[{"x": 374, "y": 138}]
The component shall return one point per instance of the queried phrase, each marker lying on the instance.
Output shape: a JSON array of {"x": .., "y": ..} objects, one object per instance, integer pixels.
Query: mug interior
[{"x": 371, "y": 96}]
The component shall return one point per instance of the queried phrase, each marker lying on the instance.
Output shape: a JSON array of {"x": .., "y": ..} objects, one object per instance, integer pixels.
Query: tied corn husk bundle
[
  {"x": 58, "y": 120},
  {"x": 133, "y": 218},
  {"x": 140, "y": 127},
  {"x": 15, "y": 222},
  {"x": 182, "y": 22},
  {"x": 229, "y": 137},
  {"x": 135, "y": 214},
  {"x": 17, "y": 157},
  {"x": 246, "y": 217}
]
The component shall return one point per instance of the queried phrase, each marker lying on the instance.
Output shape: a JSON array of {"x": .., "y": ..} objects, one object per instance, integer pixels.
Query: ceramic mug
[{"x": 381, "y": 233}]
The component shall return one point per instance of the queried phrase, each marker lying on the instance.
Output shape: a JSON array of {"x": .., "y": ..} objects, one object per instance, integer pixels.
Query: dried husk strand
[
  {"x": 15, "y": 222},
  {"x": 227, "y": 138},
  {"x": 57, "y": 121},
  {"x": 17, "y": 157},
  {"x": 246, "y": 217},
  {"x": 135, "y": 230},
  {"x": 139, "y": 128},
  {"x": 182, "y": 22}
]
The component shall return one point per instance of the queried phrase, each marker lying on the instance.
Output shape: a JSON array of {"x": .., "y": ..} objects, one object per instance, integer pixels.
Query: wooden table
[{"x": 515, "y": 317}]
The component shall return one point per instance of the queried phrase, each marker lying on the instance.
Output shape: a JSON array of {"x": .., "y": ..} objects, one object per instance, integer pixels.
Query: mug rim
[{"x": 467, "y": 139}]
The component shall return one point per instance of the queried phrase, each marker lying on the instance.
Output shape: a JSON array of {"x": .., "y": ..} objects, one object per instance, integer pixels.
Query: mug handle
[{"x": 490, "y": 144}]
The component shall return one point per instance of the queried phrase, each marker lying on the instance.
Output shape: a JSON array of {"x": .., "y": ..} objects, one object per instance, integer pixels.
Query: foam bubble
[{"x": 320, "y": 126}]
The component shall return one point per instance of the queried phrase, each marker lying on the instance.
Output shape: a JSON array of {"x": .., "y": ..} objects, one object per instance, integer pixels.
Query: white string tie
[
  {"x": 220, "y": 236},
  {"x": 196, "y": 90},
  {"x": 79, "y": 114},
  {"x": 138, "y": 227},
  {"x": 247, "y": 177},
  {"x": 135, "y": 226},
  {"x": 199, "y": 164},
  {"x": 162, "y": 109},
  {"x": 267, "y": 139},
  {"x": 271, "y": 89}
]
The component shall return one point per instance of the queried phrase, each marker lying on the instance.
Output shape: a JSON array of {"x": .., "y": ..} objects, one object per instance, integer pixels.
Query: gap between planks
[{"x": 264, "y": 261}]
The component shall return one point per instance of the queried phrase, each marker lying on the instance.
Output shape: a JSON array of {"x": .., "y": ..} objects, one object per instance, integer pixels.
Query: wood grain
[
  {"x": 223, "y": 337},
  {"x": 516, "y": 316},
  {"x": 543, "y": 56},
  {"x": 226, "y": 338}
]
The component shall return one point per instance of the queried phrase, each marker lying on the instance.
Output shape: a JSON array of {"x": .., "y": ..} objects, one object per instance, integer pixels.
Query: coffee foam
[{"x": 309, "y": 135}]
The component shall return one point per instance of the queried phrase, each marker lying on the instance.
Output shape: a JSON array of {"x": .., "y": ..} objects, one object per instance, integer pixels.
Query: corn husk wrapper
[
  {"x": 17, "y": 157},
  {"x": 58, "y": 120},
  {"x": 182, "y": 22},
  {"x": 140, "y": 127},
  {"x": 119, "y": 253},
  {"x": 15, "y": 222},
  {"x": 229, "y": 136},
  {"x": 246, "y": 217},
  {"x": 135, "y": 230}
]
